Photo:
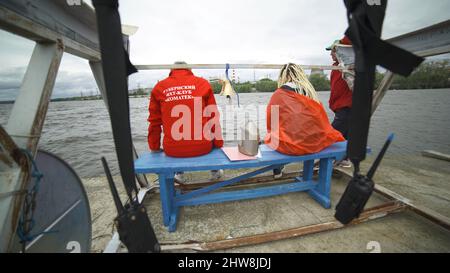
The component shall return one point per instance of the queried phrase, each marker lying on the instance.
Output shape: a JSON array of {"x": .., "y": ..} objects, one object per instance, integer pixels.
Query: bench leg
[
  {"x": 173, "y": 218},
  {"x": 308, "y": 169},
  {"x": 167, "y": 193},
  {"x": 173, "y": 208},
  {"x": 322, "y": 191}
]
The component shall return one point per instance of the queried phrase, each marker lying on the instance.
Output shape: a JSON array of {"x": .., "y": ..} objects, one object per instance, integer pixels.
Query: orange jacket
[
  {"x": 303, "y": 128},
  {"x": 169, "y": 100},
  {"x": 341, "y": 95}
]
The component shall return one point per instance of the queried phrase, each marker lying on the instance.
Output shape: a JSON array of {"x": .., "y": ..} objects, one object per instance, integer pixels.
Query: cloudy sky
[{"x": 210, "y": 31}]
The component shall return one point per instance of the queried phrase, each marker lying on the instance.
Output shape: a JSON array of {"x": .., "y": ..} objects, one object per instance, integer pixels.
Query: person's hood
[{"x": 180, "y": 72}]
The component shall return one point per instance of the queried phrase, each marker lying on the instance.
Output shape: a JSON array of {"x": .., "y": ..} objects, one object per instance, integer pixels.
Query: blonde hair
[{"x": 294, "y": 73}]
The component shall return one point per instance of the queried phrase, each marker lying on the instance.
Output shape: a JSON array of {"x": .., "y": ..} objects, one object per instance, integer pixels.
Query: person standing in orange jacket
[
  {"x": 341, "y": 96},
  {"x": 184, "y": 107}
]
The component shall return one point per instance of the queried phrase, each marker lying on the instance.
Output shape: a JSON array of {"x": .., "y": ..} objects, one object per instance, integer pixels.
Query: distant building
[{"x": 140, "y": 91}]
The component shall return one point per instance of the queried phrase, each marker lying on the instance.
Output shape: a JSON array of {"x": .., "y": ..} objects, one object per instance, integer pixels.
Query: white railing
[{"x": 232, "y": 66}]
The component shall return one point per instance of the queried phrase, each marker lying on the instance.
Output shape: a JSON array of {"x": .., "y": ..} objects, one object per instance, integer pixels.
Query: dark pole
[
  {"x": 365, "y": 19},
  {"x": 132, "y": 222}
]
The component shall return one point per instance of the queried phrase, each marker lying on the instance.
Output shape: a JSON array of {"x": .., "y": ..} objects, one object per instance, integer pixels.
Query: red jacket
[
  {"x": 341, "y": 95},
  {"x": 303, "y": 126},
  {"x": 184, "y": 105}
]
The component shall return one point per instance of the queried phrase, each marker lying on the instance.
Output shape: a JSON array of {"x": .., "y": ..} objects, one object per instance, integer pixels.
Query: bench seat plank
[{"x": 160, "y": 162}]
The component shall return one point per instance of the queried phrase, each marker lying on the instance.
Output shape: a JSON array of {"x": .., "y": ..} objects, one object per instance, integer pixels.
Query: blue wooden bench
[{"x": 171, "y": 200}]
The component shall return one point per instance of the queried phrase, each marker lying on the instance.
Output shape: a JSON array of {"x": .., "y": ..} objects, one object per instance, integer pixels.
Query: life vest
[{"x": 303, "y": 125}]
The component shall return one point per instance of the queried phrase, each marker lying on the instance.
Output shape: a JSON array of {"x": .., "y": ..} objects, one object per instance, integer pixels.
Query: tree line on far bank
[{"x": 430, "y": 75}]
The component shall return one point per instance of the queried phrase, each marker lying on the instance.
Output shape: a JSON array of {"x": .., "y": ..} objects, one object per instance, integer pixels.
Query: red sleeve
[
  {"x": 269, "y": 117},
  {"x": 212, "y": 101},
  {"x": 154, "y": 127},
  {"x": 267, "y": 137}
]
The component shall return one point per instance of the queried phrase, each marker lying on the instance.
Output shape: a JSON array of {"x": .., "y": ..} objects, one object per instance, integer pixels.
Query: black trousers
[{"x": 341, "y": 121}]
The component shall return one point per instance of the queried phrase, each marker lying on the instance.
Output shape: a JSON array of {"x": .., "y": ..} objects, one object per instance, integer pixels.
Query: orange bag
[{"x": 303, "y": 127}]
